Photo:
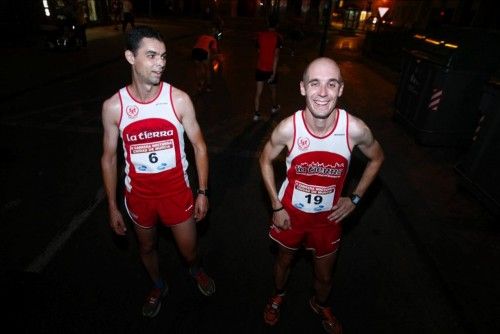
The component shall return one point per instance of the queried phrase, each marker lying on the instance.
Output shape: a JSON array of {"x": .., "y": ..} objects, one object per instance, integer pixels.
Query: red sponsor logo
[
  {"x": 132, "y": 111},
  {"x": 303, "y": 143}
]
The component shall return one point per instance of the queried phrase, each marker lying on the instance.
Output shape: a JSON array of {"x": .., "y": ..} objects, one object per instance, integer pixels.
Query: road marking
[
  {"x": 39, "y": 264},
  {"x": 59, "y": 240}
]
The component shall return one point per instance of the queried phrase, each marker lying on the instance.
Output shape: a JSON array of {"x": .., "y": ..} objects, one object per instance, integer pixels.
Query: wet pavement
[{"x": 419, "y": 256}]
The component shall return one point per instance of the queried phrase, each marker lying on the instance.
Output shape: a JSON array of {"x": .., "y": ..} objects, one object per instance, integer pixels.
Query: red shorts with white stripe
[
  {"x": 312, "y": 230},
  {"x": 170, "y": 210}
]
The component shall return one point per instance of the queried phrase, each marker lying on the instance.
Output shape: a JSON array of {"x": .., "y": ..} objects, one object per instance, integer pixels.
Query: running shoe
[
  {"x": 272, "y": 309},
  {"x": 256, "y": 117},
  {"x": 275, "y": 109},
  {"x": 152, "y": 304},
  {"x": 206, "y": 285},
  {"x": 328, "y": 320}
]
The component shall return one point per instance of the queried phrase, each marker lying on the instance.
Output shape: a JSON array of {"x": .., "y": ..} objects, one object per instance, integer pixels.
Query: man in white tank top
[
  {"x": 309, "y": 208},
  {"x": 151, "y": 117}
]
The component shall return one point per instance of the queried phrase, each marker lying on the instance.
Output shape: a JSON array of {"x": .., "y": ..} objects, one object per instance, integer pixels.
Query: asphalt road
[{"x": 65, "y": 271}]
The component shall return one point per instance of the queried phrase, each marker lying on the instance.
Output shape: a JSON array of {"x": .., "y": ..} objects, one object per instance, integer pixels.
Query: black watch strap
[
  {"x": 355, "y": 199},
  {"x": 202, "y": 192}
]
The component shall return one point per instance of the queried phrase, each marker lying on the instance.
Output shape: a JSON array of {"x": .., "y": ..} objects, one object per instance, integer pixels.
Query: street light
[{"x": 381, "y": 11}]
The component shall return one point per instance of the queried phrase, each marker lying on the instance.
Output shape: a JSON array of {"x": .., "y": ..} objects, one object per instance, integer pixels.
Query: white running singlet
[
  {"x": 316, "y": 166},
  {"x": 153, "y": 144}
]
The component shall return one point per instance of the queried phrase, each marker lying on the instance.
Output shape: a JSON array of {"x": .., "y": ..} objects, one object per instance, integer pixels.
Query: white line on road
[{"x": 59, "y": 240}]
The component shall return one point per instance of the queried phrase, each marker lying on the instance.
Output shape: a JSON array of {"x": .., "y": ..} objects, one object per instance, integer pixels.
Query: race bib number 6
[
  {"x": 310, "y": 198},
  {"x": 153, "y": 157}
]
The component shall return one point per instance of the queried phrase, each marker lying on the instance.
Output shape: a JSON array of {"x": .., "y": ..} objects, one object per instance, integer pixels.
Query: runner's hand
[
  {"x": 116, "y": 222},
  {"x": 200, "y": 207},
  {"x": 341, "y": 210},
  {"x": 281, "y": 219}
]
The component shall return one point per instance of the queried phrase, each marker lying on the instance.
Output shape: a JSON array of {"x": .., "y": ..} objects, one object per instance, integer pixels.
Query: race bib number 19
[{"x": 309, "y": 198}]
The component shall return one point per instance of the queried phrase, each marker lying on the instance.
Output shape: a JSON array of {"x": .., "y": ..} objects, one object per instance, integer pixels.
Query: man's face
[
  {"x": 149, "y": 61},
  {"x": 322, "y": 88}
]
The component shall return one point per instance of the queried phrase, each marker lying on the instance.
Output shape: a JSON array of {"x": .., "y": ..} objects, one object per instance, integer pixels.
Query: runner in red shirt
[
  {"x": 151, "y": 117},
  {"x": 309, "y": 208},
  {"x": 269, "y": 44},
  {"x": 204, "y": 51}
]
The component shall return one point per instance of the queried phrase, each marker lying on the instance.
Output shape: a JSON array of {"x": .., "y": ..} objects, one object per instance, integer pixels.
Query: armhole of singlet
[
  {"x": 347, "y": 131},
  {"x": 172, "y": 103},
  {"x": 294, "y": 134},
  {"x": 121, "y": 107}
]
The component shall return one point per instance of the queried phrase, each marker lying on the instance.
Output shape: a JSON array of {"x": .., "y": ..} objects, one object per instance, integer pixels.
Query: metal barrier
[{"x": 478, "y": 167}]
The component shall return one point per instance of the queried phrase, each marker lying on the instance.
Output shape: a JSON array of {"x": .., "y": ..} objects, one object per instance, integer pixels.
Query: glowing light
[
  {"x": 451, "y": 46},
  {"x": 363, "y": 15},
  {"x": 46, "y": 7},
  {"x": 215, "y": 65},
  {"x": 431, "y": 41},
  {"x": 417, "y": 36},
  {"x": 382, "y": 11}
]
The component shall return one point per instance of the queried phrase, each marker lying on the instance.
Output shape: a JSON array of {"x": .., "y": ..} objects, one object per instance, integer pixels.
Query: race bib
[
  {"x": 311, "y": 199},
  {"x": 154, "y": 157}
]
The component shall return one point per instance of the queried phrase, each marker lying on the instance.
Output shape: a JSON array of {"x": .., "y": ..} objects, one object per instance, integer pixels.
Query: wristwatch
[
  {"x": 202, "y": 192},
  {"x": 355, "y": 199}
]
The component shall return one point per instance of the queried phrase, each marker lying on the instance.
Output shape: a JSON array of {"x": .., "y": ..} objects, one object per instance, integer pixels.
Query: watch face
[{"x": 355, "y": 199}]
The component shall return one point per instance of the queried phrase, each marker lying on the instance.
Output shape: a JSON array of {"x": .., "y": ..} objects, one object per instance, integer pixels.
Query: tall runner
[{"x": 151, "y": 117}]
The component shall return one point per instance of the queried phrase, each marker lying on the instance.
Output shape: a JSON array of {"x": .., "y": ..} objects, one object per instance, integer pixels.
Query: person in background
[
  {"x": 127, "y": 14},
  {"x": 151, "y": 117},
  {"x": 309, "y": 208},
  {"x": 81, "y": 23},
  {"x": 203, "y": 53},
  {"x": 116, "y": 12},
  {"x": 269, "y": 43}
]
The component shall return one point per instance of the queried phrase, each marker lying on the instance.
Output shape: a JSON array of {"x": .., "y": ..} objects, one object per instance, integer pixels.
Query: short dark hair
[{"x": 135, "y": 36}]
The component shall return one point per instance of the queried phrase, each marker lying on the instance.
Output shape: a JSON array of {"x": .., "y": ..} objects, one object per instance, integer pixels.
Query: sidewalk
[
  {"x": 454, "y": 232},
  {"x": 457, "y": 236}
]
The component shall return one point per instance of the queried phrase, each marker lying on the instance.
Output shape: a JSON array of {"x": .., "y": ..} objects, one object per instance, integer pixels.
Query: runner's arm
[
  {"x": 280, "y": 138},
  {"x": 361, "y": 136},
  {"x": 110, "y": 117},
  {"x": 185, "y": 109}
]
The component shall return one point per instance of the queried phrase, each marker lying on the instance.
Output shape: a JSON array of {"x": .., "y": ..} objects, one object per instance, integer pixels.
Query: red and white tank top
[
  {"x": 316, "y": 166},
  {"x": 153, "y": 144},
  {"x": 268, "y": 42}
]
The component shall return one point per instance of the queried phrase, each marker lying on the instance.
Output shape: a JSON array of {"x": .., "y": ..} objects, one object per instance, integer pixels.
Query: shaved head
[{"x": 320, "y": 62}]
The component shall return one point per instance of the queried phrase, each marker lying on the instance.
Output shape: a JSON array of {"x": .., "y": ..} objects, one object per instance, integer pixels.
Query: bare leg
[
  {"x": 147, "y": 238},
  {"x": 323, "y": 268},
  {"x": 258, "y": 93},
  {"x": 198, "y": 69},
  {"x": 273, "y": 94},
  {"x": 185, "y": 237},
  {"x": 207, "y": 69},
  {"x": 282, "y": 267}
]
